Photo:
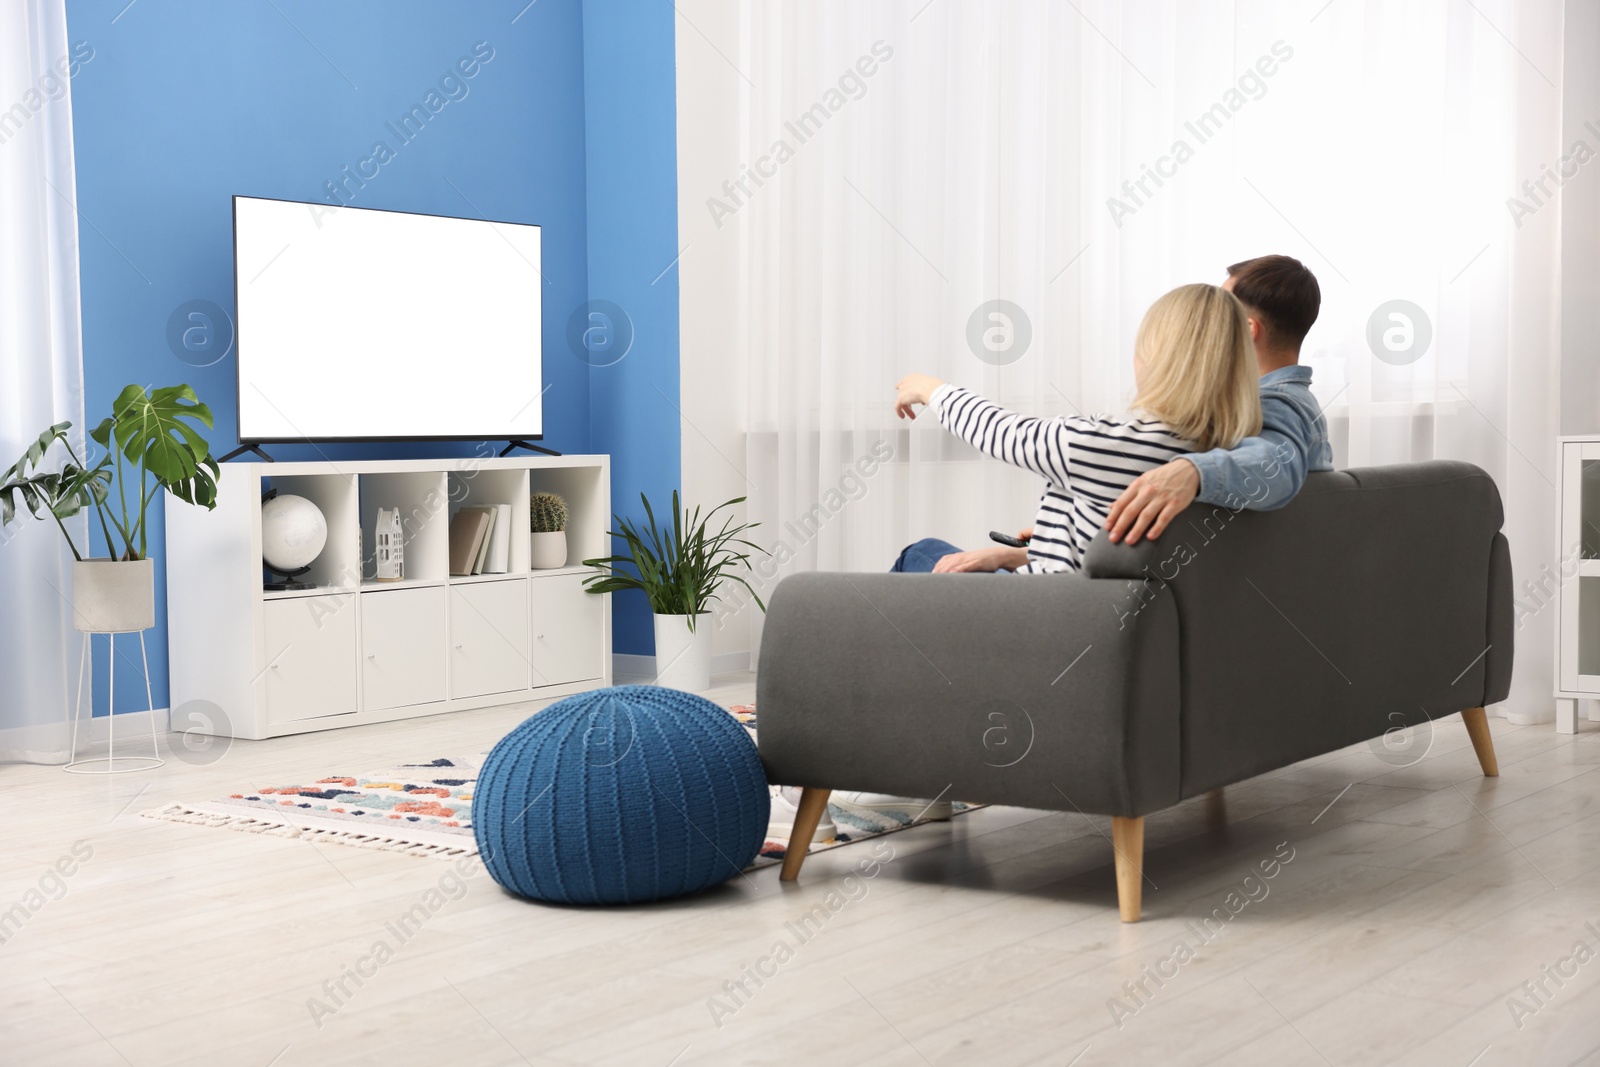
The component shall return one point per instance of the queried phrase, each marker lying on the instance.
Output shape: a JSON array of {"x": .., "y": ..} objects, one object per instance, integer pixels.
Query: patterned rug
[
  {"x": 425, "y": 809},
  {"x": 421, "y": 808}
]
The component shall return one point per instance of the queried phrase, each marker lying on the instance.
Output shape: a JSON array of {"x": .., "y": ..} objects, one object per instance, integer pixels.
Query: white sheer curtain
[
  {"x": 41, "y": 370},
  {"x": 1376, "y": 141}
]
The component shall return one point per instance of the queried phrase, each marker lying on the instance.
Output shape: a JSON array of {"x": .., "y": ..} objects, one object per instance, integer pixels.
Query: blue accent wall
[
  {"x": 630, "y": 99},
  {"x": 188, "y": 102}
]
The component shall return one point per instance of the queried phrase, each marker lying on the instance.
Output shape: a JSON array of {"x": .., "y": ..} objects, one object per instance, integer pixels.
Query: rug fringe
[{"x": 286, "y": 828}]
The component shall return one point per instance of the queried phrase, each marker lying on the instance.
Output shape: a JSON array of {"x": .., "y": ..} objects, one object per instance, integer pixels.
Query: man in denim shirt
[{"x": 1281, "y": 298}]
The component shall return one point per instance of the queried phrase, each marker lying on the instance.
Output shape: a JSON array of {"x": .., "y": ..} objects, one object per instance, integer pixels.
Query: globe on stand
[{"x": 293, "y": 533}]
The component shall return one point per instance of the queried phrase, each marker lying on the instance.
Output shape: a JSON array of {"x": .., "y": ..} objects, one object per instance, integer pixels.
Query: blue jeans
[{"x": 920, "y": 556}]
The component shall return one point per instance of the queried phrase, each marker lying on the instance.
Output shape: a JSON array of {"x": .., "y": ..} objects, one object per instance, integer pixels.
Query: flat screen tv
[{"x": 362, "y": 325}]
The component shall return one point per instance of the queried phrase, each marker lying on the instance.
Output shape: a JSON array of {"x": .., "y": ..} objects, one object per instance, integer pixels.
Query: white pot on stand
[
  {"x": 547, "y": 549},
  {"x": 113, "y": 597},
  {"x": 683, "y": 658}
]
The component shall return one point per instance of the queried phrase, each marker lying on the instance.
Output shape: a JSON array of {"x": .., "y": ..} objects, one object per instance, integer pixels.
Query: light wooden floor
[{"x": 1419, "y": 899}]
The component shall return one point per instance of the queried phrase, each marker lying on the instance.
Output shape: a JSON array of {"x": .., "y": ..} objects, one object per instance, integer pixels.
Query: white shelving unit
[
  {"x": 1578, "y": 599},
  {"x": 354, "y": 650}
]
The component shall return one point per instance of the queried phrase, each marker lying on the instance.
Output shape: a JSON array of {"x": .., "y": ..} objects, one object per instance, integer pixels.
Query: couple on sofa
[{"x": 1223, "y": 414}]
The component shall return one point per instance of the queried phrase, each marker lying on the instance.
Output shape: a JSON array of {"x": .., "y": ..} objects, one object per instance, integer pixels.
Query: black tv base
[
  {"x": 242, "y": 449},
  {"x": 517, "y": 443}
]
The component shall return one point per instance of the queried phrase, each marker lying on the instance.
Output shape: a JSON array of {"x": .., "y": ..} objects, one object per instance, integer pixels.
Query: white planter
[
  {"x": 547, "y": 550},
  {"x": 113, "y": 596},
  {"x": 683, "y": 659}
]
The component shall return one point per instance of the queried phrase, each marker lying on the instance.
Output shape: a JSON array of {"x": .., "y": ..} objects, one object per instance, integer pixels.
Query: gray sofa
[{"x": 1235, "y": 644}]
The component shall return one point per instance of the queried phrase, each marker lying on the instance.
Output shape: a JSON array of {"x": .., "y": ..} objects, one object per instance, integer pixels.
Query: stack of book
[{"x": 480, "y": 540}]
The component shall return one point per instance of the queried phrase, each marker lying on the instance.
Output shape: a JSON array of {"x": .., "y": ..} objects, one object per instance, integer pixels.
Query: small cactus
[{"x": 549, "y": 512}]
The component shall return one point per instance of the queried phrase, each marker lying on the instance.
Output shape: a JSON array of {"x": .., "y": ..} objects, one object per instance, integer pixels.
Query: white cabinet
[
  {"x": 259, "y": 662},
  {"x": 1577, "y": 588},
  {"x": 402, "y": 647},
  {"x": 310, "y": 658},
  {"x": 567, "y": 623},
  {"x": 489, "y": 638}
]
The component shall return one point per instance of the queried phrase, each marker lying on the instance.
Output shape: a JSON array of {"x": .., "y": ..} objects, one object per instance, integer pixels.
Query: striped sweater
[{"x": 1086, "y": 464}]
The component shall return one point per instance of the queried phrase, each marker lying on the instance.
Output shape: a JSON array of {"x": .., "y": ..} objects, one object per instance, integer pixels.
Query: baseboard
[
  {"x": 628, "y": 668},
  {"x": 1543, "y": 712},
  {"x": 728, "y": 662},
  {"x": 131, "y": 725}
]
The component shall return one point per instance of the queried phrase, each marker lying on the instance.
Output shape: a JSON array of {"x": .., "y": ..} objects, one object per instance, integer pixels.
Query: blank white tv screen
[{"x": 358, "y": 324}]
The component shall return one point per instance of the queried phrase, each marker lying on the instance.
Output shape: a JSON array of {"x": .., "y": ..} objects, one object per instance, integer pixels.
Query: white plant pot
[
  {"x": 113, "y": 596},
  {"x": 547, "y": 550},
  {"x": 683, "y": 659}
]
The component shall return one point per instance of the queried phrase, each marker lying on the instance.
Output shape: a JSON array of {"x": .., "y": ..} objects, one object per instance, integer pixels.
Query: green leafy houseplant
[
  {"x": 148, "y": 441},
  {"x": 549, "y": 512},
  {"x": 679, "y": 569}
]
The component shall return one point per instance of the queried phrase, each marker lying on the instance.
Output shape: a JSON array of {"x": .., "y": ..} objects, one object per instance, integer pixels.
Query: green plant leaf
[
  {"x": 54, "y": 494},
  {"x": 680, "y": 567},
  {"x": 101, "y": 434},
  {"x": 35, "y": 452},
  {"x": 152, "y": 430},
  {"x": 155, "y": 432}
]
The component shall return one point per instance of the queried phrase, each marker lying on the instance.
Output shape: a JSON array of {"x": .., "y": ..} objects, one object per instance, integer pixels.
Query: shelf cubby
[
  {"x": 1589, "y": 510},
  {"x": 490, "y": 487},
  {"x": 338, "y": 566},
  {"x": 424, "y": 503},
  {"x": 1588, "y": 628},
  {"x": 588, "y": 498}
]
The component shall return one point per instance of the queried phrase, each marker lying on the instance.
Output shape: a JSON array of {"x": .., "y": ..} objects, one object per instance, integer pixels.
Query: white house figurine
[{"x": 389, "y": 546}]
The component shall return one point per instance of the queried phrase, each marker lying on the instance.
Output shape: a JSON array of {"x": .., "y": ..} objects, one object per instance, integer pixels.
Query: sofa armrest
[
  {"x": 1045, "y": 691},
  {"x": 1103, "y": 559},
  {"x": 1501, "y": 637}
]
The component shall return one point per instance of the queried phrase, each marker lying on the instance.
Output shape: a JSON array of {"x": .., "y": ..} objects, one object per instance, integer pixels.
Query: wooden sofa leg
[
  {"x": 1127, "y": 839},
  {"x": 813, "y": 805},
  {"x": 1478, "y": 729}
]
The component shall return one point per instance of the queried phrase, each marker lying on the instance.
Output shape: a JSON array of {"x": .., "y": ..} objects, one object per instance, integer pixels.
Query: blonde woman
[{"x": 1197, "y": 390}]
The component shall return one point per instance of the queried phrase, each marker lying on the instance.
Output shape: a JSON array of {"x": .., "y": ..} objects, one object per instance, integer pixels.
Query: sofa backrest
[{"x": 1377, "y": 598}]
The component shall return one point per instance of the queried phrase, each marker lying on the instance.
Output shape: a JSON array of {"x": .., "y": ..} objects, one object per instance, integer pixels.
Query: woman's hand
[
  {"x": 914, "y": 389},
  {"x": 982, "y": 559}
]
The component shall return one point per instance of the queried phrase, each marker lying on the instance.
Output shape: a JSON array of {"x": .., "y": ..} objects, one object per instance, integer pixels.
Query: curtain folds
[{"x": 41, "y": 371}]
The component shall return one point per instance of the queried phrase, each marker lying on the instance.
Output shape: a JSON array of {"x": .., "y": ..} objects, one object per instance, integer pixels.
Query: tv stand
[
  {"x": 265, "y": 661},
  {"x": 517, "y": 442},
  {"x": 242, "y": 449}
]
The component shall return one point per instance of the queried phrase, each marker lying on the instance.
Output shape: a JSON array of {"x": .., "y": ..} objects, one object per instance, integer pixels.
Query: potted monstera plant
[
  {"x": 148, "y": 444},
  {"x": 680, "y": 570}
]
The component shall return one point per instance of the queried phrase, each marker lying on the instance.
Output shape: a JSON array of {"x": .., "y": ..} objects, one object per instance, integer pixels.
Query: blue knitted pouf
[{"x": 621, "y": 795}]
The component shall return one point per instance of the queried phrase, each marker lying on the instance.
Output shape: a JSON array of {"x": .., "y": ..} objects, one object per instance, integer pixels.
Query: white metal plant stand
[{"x": 108, "y": 764}]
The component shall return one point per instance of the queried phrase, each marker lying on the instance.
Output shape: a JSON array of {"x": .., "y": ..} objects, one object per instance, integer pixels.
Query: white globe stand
[{"x": 107, "y": 764}]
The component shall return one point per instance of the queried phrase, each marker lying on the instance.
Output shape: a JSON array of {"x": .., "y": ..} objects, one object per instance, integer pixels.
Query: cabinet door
[
  {"x": 488, "y": 638},
  {"x": 402, "y": 645},
  {"x": 568, "y": 630},
  {"x": 310, "y": 670}
]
